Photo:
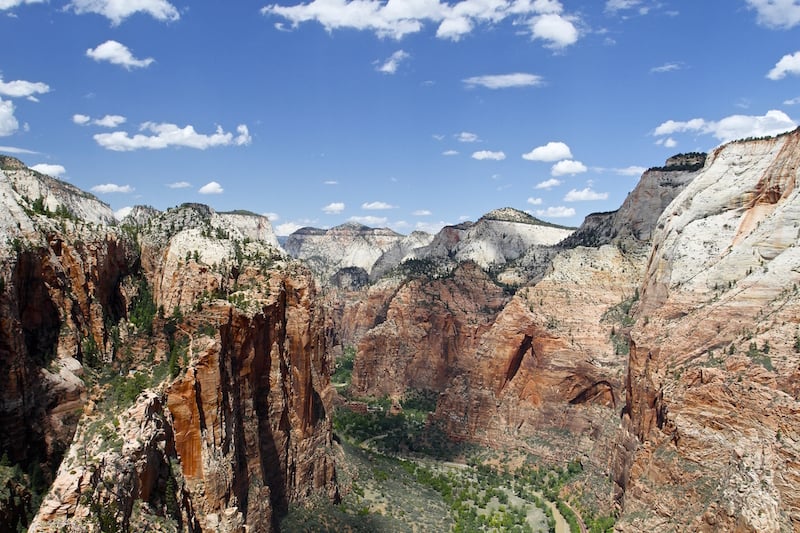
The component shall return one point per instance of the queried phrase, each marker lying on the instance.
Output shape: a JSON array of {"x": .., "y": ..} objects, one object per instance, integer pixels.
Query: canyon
[{"x": 172, "y": 371}]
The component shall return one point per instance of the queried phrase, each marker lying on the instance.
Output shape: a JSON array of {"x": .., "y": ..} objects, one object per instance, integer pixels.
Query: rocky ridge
[{"x": 199, "y": 322}]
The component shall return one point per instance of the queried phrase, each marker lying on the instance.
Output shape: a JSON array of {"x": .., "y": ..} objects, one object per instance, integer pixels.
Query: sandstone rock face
[
  {"x": 240, "y": 428},
  {"x": 61, "y": 280},
  {"x": 348, "y": 245},
  {"x": 497, "y": 238},
  {"x": 712, "y": 403},
  {"x": 130, "y": 478},
  {"x": 427, "y": 329},
  {"x": 251, "y": 414}
]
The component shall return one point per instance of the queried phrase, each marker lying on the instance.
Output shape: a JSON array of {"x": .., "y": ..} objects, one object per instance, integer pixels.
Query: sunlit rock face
[{"x": 712, "y": 402}]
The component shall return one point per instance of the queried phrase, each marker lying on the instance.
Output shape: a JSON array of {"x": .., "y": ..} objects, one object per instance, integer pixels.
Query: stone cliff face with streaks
[
  {"x": 712, "y": 401},
  {"x": 170, "y": 372}
]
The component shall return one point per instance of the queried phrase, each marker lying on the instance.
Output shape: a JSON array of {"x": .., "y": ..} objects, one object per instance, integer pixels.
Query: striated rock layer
[{"x": 712, "y": 406}]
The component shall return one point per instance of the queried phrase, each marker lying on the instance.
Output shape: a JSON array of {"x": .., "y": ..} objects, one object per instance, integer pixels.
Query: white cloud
[
  {"x": 438, "y": 136},
  {"x": 669, "y": 142},
  {"x": 287, "y": 228},
  {"x": 556, "y": 212},
  {"x": 450, "y": 152},
  {"x": 179, "y": 185},
  {"x": 552, "y": 151},
  {"x": 107, "y": 188},
  {"x": 21, "y": 88},
  {"x": 788, "y": 64},
  {"x": 548, "y": 184},
  {"x": 121, "y": 213},
  {"x": 8, "y": 122},
  {"x": 618, "y": 5},
  {"x": 778, "y": 14},
  {"x": 167, "y": 135},
  {"x": 15, "y": 150},
  {"x": 333, "y": 208},
  {"x": 430, "y": 227},
  {"x": 792, "y": 101},
  {"x": 630, "y": 171},
  {"x": 422, "y": 213},
  {"x": 535, "y": 201},
  {"x": 667, "y": 67},
  {"x": 483, "y": 155},
  {"x": 396, "y": 19},
  {"x": 50, "y": 170},
  {"x": 568, "y": 166},
  {"x": 10, "y": 4},
  {"x": 118, "y": 54},
  {"x": 77, "y": 118},
  {"x": 505, "y": 81},
  {"x": 376, "y": 206},
  {"x": 732, "y": 127},
  {"x": 558, "y": 31},
  {"x": 330, "y": 182},
  {"x": 393, "y": 62},
  {"x": 370, "y": 220},
  {"x": 110, "y": 121},
  {"x": 273, "y": 217},
  {"x": 584, "y": 195},
  {"x": 118, "y": 10},
  {"x": 212, "y": 187},
  {"x": 467, "y": 137}
]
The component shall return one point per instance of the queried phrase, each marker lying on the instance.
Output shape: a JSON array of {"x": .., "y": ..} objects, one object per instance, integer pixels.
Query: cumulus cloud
[
  {"x": 422, "y": 213},
  {"x": 732, "y": 127},
  {"x": 50, "y": 170},
  {"x": 556, "y": 212},
  {"x": 11, "y": 4},
  {"x": 212, "y": 187},
  {"x": 118, "y": 10},
  {"x": 792, "y": 101},
  {"x": 552, "y": 151},
  {"x": 8, "y": 122},
  {"x": 121, "y": 213},
  {"x": 568, "y": 167},
  {"x": 390, "y": 65},
  {"x": 272, "y": 217},
  {"x": 79, "y": 119},
  {"x": 166, "y": 135},
  {"x": 333, "y": 208},
  {"x": 108, "y": 188},
  {"x": 287, "y": 228},
  {"x": 669, "y": 142},
  {"x": 788, "y": 64},
  {"x": 535, "y": 201},
  {"x": 483, "y": 155},
  {"x": 584, "y": 195},
  {"x": 557, "y": 31},
  {"x": 118, "y": 54},
  {"x": 777, "y": 14},
  {"x": 376, "y": 206},
  {"x": 450, "y": 152},
  {"x": 21, "y": 88},
  {"x": 548, "y": 184},
  {"x": 618, "y": 5},
  {"x": 179, "y": 185},
  {"x": 504, "y": 81},
  {"x": 110, "y": 121},
  {"x": 396, "y": 19},
  {"x": 467, "y": 137},
  {"x": 370, "y": 220}
]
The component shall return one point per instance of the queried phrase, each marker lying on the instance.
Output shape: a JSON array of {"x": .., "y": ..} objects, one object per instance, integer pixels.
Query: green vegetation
[
  {"x": 760, "y": 356},
  {"x": 343, "y": 371},
  {"x": 143, "y": 309}
]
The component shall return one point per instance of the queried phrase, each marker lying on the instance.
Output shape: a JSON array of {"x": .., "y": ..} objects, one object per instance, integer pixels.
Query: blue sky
[{"x": 409, "y": 114}]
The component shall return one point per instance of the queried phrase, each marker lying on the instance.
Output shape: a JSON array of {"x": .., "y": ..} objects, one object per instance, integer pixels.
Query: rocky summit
[{"x": 180, "y": 371}]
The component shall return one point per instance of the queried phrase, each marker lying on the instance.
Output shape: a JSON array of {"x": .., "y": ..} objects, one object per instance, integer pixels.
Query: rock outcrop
[
  {"x": 184, "y": 346},
  {"x": 712, "y": 404}
]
